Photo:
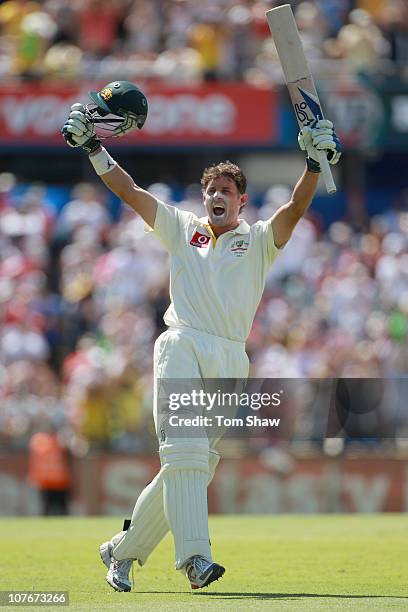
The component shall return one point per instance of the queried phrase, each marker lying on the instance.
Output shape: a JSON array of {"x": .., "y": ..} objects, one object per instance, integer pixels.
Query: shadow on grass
[
  {"x": 272, "y": 595},
  {"x": 295, "y": 595}
]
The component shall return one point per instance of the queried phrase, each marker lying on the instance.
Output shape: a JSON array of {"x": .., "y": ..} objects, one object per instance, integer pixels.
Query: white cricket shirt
[{"x": 215, "y": 286}]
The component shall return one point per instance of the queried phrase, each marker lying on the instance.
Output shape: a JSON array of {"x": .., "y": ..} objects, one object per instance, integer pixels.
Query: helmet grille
[{"x": 108, "y": 125}]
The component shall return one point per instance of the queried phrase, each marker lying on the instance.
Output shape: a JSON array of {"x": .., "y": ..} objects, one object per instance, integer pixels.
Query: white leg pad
[
  {"x": 185, "y": 469},
  {"x": 147, "y": 527},
  {"x": 149, "y": 524}
]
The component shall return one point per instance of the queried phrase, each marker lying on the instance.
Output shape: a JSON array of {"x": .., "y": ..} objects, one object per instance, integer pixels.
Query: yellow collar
[{"x": 242, "y": 228}]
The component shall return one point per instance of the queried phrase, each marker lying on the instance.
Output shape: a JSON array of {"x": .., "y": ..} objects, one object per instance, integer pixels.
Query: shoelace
[{"x": 123, "y": 567}]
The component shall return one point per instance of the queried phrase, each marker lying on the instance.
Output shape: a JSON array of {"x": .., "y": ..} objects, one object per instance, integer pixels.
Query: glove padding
[
  {"x": 79, "y": 131},
  {"x": 320, "y": 136}
]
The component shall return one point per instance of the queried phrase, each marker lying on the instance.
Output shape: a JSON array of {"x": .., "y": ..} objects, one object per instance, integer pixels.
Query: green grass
[{"x": 325, "y": 562}]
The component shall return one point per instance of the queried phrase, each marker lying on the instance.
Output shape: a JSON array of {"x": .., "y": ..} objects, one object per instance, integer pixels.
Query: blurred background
[{"x": 83, "y": 290}]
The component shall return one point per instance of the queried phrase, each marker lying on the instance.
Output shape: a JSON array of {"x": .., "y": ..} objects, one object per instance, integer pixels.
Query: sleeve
[
  {"x": 267, "y": 243},
  {"x": 170, "y": 225}
]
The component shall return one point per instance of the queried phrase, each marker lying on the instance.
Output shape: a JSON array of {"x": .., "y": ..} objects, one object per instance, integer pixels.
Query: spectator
[
  {"x": 85, "y": 209},
  {"x": 394, "y": 22},
  {"x": 207, "y": 37},
  {"x": 49, "y": 471},
  {"x": 98, "y": 26},
  {"x": 182, "y": 41},
  {"x": 361, "y": 41}
]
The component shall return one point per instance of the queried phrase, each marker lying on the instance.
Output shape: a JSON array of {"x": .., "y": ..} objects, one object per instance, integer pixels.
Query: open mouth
[{"x": 218, "y": 211}]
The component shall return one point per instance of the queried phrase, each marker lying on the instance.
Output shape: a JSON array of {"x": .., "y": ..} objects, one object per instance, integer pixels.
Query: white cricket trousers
[
  {"x": 190, "y": 354},
  {"x": 177, "y": 497}
]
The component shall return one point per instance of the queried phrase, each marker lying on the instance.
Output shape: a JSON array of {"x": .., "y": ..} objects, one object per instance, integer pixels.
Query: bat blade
[{"x": 298, "y": 77}]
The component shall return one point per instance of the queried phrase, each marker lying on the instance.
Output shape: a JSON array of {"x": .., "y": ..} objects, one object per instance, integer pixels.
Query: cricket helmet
[{"x": 120, "y": 107}]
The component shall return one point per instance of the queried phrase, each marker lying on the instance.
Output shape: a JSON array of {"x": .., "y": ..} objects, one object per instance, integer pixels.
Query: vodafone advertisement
[{"x": 210, "y": 114}]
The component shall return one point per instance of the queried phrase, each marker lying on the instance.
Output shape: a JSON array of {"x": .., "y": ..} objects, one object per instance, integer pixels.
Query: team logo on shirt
[
  {"x": 200, "y": 240},
  {"x": 239, "y": 247}
]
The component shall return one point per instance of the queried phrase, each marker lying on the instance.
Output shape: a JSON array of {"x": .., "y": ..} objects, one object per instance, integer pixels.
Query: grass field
[{"x": 353, "y": 562}]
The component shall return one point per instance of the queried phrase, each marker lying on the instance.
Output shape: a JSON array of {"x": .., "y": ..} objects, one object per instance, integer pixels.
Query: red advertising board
[
  {"x": 211, "y": 114},
  {"x": 108, "y": 484}
]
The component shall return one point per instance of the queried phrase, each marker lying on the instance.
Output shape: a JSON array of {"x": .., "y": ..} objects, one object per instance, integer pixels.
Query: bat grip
[{"x": 326, "y": 172}]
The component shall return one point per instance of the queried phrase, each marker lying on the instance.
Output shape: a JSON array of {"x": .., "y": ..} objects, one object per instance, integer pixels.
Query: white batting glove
[
  {"x": 320, "y": 136},
  {"x": 79, "y": 131}
]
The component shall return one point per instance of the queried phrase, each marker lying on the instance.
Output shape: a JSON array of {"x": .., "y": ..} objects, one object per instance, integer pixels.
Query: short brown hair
[{"x": 226, "y": 168}]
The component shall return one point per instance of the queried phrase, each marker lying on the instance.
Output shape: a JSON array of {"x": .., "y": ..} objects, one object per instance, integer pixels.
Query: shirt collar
[{"x": 242, "y": 228}]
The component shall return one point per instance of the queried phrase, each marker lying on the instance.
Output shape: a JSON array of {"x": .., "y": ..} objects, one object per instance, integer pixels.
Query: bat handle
[{"x": 326, "y": 172}]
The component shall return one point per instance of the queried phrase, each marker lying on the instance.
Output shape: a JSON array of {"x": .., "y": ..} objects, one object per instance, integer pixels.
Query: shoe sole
[
  {"x": 215, "y": 573},
  {"x": 116, "y": 587}
]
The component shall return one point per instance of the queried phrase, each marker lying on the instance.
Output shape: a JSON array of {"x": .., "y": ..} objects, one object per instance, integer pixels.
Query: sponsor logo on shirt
[
  {"x": 200, "y": 240},
  {"x": 239, "y": 247}
]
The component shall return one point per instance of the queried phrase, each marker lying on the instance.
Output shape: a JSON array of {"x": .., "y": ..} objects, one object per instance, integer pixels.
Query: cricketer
[{"x": 218, "y": 267}]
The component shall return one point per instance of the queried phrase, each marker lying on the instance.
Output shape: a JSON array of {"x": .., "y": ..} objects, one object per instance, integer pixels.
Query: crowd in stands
[
  {"x": 185, "y": 41},
  {"x": 82, "y": 298},
  {"x": 82, "y": 295}
]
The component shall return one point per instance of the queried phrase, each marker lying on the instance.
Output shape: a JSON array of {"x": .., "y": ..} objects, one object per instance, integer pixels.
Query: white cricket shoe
[
  {"x": 118, "y": 571},
  {"x": 202, "y": 572}
]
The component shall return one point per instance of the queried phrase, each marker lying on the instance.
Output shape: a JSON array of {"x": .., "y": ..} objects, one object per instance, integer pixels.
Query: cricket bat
[{"x": 298, "y": 77}]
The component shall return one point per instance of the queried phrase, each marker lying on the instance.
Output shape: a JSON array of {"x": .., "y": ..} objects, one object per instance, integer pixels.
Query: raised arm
[
  {"x": 80, "y": 132},
  {"x": 122, "y": 184},
  {"x": 320, "y": 136},
  {"x": 287, "y": 216}
]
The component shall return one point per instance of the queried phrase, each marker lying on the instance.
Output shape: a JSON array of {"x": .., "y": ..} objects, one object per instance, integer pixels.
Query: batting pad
[
  {"x": 185, "y": 469},
  {"x": 149, "y": 524}
]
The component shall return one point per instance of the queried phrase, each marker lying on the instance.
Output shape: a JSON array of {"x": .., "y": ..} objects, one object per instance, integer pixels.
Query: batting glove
[
  {"x": 320, "y": 136},
  {"x": 79, "y": 131}
]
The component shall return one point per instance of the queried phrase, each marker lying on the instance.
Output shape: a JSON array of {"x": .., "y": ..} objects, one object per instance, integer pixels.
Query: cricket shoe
[
  {"x": 201, "y": 572},
  {"x": 118, "y": 571}
]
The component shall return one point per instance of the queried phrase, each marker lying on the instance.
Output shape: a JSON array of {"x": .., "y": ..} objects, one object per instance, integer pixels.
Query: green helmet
[{"x": 123, "y": 99}]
